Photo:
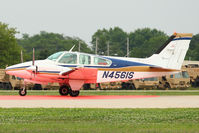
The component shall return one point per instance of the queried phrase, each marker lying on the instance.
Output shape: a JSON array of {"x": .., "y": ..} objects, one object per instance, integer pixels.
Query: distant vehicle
[
  {"x": 193, "y": 71},
  {"x": 74, "y": 69},
  {"x": 179, "y": 80},
  {"x": 8, "y": 82},
  {"x": 11, "y": 82},
  {"x": 146, "y": 83}
]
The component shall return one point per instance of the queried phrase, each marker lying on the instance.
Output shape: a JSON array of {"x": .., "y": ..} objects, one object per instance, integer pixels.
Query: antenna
[{"x": 71, "y": 48}]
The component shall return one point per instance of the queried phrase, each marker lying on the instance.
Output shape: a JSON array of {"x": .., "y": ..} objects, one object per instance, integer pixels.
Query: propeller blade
[
  {"x": 33, "y": 57},
  {"x": 21, "y": 56}
]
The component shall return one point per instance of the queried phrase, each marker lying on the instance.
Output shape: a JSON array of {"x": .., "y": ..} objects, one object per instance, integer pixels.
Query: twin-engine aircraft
[{"x": 74, "y": 69}]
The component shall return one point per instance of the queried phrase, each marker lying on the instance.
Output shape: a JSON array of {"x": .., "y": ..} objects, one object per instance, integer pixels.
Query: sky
[{"x": 82, "y": 18}]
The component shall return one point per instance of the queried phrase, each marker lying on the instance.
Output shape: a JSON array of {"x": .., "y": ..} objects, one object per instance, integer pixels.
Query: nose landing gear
[{"x": 22, "y": 91}]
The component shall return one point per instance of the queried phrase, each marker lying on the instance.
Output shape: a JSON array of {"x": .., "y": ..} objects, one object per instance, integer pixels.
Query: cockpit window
[
  {"x": 55, "y": 56},
  {"x": 69, "y": 58},
  {"x": 84, "y": 59},
  {"x": 101, "y": 61}
]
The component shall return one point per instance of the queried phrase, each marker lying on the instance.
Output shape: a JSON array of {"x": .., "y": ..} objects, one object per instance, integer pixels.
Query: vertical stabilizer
[{"x": 172, "y": 53}]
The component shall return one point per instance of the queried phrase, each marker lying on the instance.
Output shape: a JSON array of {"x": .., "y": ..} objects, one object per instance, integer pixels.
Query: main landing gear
[{"x": 64, "y": 90}]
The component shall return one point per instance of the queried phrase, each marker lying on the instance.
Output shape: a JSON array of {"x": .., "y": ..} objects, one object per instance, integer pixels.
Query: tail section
[{"x": 171, "y": 55}]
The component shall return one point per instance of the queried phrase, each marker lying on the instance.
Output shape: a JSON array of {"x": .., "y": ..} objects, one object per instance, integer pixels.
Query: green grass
[
  {"x": 116, "y": 92},
  {"x": 19, "y": 120}
]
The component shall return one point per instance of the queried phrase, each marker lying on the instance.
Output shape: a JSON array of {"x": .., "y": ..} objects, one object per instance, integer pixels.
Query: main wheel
[
  {"x": 22, "y": 92},
  {"x": 64, "y": 90},
  {"x": 74, "y": 93}
]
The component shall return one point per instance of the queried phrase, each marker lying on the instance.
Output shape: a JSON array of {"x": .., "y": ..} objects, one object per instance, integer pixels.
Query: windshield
[
  {"x": 69, "y": 58},
  {"x": 55, "y": 56}
]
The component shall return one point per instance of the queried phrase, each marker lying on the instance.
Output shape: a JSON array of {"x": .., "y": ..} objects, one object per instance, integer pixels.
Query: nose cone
[
  {"x": 10, "y": 67},
  {"x": 22, "y": 66}
]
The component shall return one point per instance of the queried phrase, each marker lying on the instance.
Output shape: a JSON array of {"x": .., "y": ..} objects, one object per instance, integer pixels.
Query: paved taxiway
[{"x": 100, "y": 102}]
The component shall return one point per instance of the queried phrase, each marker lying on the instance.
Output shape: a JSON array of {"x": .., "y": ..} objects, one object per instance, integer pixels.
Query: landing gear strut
[
  {"x": 22, "y": 91},
  {"x": 64, "y": 90}
]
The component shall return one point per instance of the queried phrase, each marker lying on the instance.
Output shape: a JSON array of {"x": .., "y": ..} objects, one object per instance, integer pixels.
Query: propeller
[
  {"x": 21, "y": 56},
  {"x": 33, "y": 62},
  {"x": 33, "y": 56},
  {"x": 33, "y": 67}
]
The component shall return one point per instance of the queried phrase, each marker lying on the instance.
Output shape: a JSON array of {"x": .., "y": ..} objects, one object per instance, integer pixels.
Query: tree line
[{"x": 142, "y": 43}]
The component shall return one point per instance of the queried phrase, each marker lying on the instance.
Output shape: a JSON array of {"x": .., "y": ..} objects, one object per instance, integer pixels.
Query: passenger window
[
  {"x": 84, "y": 59},
  {"x": 69, "y": 58},
  {"x": 101, "y": 61}
]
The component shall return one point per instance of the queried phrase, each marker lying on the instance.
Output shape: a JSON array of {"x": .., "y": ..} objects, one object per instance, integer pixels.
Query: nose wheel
[{"x": 22, "y": 92}]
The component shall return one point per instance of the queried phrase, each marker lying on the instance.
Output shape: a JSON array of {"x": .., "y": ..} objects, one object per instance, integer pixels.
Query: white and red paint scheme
[{"x": 73, "y": 69}]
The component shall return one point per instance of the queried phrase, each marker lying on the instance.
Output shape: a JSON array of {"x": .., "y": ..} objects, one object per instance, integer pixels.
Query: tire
[
  {"x": 8, "y": 86},
  {"x": 64, "y": 90},
  {"x": 16, "y": 88},
  {"x": 98, "y": 86},
  {"x": 37, "y": 87},
  {"x": 74, "y": 93},
  {"x": 132, "y": 87},
  {"x": 167, "y": 86},
  {"x": 124, "y": 86},
  {"x": 1, "y": 86},
  {"x": 87, "y": 86},
  {"x": 22, "y": 92}
]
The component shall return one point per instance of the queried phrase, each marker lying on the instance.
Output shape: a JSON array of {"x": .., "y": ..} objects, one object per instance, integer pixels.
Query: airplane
[{"x": 74, "y": 69}]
